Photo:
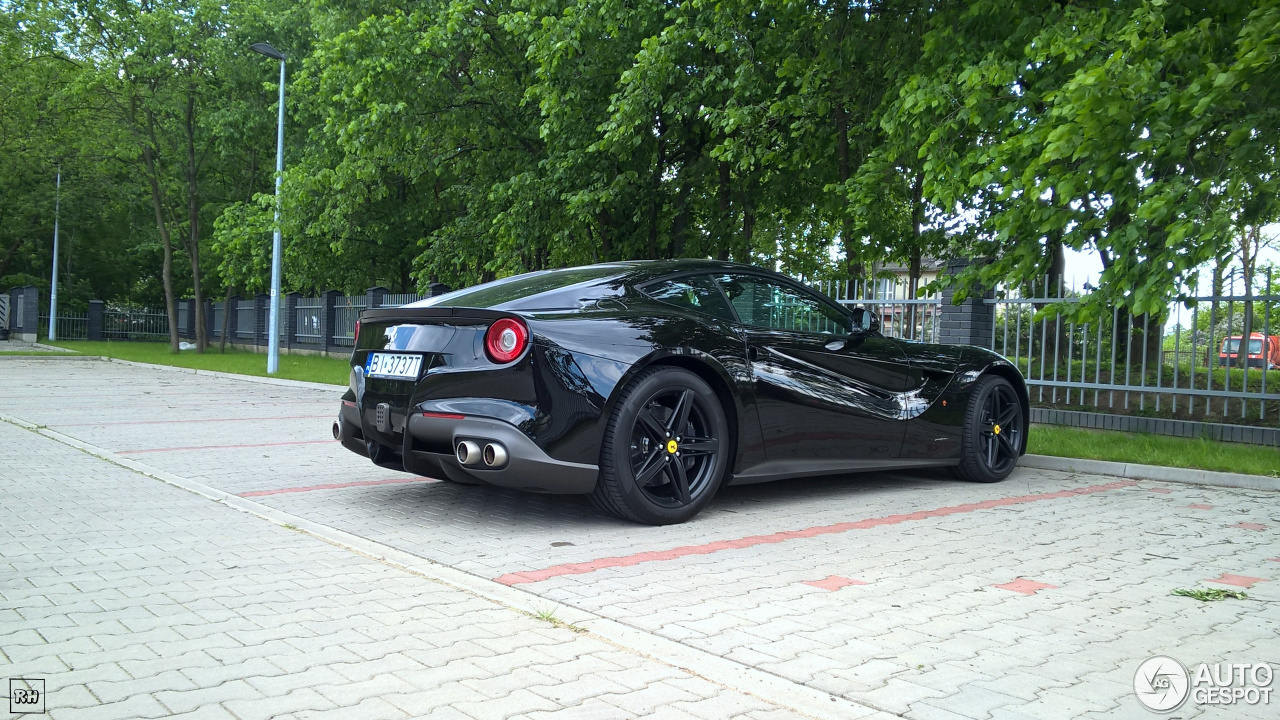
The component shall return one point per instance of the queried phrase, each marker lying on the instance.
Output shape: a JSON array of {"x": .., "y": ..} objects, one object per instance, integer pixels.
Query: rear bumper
[{"x": 429, "y": 450}]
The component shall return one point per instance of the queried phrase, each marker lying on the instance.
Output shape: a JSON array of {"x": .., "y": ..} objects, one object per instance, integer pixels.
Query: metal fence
[
  {"x": 345, "y": 315},
  {"x": 308, "y": 319},
  {"x": 245, "y": 319},
  {"x": 901, "y": 314},
  {"x": 399, "y": 299},
  {"x": 134, "y": 324},
  {"x": 70, "y": 326},
  {"x": 1176, "y": 366},
  {"x": 4, "y": 312}
]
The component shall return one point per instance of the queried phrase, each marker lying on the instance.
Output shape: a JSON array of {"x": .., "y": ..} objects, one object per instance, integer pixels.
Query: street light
[
  {"x": 273, "y": 324},
  {"x": 53, "y": 285}
]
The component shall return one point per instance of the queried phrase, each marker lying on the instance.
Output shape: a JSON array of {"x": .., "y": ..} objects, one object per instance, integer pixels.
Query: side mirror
[{"x": 865, "y": 321}]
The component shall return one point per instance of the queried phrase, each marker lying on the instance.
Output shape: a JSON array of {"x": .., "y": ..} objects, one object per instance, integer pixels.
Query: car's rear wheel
[
  {"x": 993, "y": 438},
  {"x": 665, "y": 451}
]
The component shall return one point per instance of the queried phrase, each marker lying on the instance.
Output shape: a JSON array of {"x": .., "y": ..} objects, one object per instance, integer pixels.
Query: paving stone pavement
[
  {"x": 1037, "y": 597},
  {"x": 134, "y": 599}
]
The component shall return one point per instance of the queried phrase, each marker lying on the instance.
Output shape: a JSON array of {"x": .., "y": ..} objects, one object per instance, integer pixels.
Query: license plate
[{"x": 393, "y": 365}]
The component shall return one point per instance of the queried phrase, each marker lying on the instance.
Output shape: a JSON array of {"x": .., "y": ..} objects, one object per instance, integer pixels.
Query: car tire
[
  {"x": 666, "y": 449},
  {"x": 994, "y": 434}
]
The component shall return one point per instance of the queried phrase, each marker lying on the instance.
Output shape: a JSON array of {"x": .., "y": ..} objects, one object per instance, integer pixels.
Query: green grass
[
  {"x": 292, "y": 367},
  {"x": 1196, "y": 453}
]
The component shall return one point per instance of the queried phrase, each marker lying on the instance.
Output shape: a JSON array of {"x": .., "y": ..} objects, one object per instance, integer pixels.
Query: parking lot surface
[{"x": 905, "y": 594}]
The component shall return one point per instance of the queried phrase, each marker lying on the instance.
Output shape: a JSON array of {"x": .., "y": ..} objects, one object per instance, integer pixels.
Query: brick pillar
[
  {"x": 30, "y": 300},
  {"x": 437, "y": 289},
  {"x": 327, "y": 318},
  {"x": 261, "y": 303},
  {"x": 97, "y": 309},
  {"x": 972, "y": 322},
  {"x": 15, "y": 299},
  {"x": 374, "y": 297},
  {"x": 290, "y": 320}
]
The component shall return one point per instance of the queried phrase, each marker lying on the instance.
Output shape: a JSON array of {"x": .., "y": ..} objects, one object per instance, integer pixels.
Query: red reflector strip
[
  {"x": 447, "y": 416},
  {"x": 348, "y": 403}
]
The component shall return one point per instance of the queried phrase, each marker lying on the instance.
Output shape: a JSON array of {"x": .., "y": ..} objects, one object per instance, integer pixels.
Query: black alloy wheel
[
  {"x": 994, "y": 431},
  {"x": 666, "y": 449}
]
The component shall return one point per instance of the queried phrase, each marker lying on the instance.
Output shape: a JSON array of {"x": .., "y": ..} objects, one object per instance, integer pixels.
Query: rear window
[{"x": 521, "y": 287}]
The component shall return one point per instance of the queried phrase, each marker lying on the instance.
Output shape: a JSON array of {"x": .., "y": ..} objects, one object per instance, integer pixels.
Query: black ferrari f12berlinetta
[{"x": 648, "y": 385}]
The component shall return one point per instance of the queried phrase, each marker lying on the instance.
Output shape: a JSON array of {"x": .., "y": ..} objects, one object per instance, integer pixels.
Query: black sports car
[{"x": 648, "y": 385}]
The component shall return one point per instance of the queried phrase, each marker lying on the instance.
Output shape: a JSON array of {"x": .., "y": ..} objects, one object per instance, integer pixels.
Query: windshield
[
  {"x": 520, "y": 287},
  {"x": 1232, "y": 345}
]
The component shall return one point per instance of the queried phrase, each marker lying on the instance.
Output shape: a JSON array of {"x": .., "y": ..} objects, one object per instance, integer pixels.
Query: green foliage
[{"x": 459, "y": 140}]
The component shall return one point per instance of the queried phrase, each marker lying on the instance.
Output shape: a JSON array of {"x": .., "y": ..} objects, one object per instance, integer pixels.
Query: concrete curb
[
  {"x": 196, "y": 371},
  {"x": 766, "y": 686},
  {"x": 1151, "y": 472}
]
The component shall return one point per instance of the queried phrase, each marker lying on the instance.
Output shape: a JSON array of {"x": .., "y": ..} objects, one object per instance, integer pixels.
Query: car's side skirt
[{"x": 771, "y": 470}]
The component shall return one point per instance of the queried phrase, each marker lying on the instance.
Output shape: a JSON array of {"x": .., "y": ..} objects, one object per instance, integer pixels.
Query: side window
[
  {"x": 695, "y": 292},
  {"x": 763, "y": 303}
]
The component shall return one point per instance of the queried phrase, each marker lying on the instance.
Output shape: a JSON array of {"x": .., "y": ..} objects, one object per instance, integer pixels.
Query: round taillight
[{"x": 505, "y": 340}]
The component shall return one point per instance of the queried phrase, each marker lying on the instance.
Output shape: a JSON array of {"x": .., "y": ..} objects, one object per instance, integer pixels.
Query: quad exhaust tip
[
  {"x": 495, "y": 455},
  {"x": 468, "y": 453}
]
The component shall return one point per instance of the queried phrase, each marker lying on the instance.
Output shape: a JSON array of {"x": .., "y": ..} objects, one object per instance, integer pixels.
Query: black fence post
[
  {"x": 97, "y": 310},
  {"x": 972, "y": 322},
  {"x": 437, "y": 289},
  {"x": 329, "y": 299},
  {"x": 290, "y": 319}
]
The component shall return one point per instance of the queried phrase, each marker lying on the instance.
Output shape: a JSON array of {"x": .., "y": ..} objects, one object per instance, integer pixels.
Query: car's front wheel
[
  {"x": 993, "y": 431},
  {"x": 665, "y": 450}
]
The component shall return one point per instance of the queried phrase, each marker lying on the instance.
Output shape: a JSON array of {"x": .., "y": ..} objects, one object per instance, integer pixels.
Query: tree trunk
[
  {"x": 166, "y": 271},
  {"x": 917, "y": 234},
  {"x": 1248, "y": 262},
  {"x": 853, "y": 265},
  {"x": 606, "y": 237},
  {"x": 726, "y": 225},
  {"x": 226, "y": 320},
  {"x": 656, "y": 190},
  {"x": 193, "y": 222}
]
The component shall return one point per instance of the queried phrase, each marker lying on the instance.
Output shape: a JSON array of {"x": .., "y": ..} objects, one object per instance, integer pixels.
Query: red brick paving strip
[
  {"x": 225, "y": 447},
  {"x": 1243, "y": 581},
  {"x": 1025, "y": 586},
  {"x": 1249, "y": 526},
  {"x": 338, "y": 486},
  {"x": 1200, "y": 506},
  {"x": 835, "y": 582},
  {"x": 779, "y": 537}
]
